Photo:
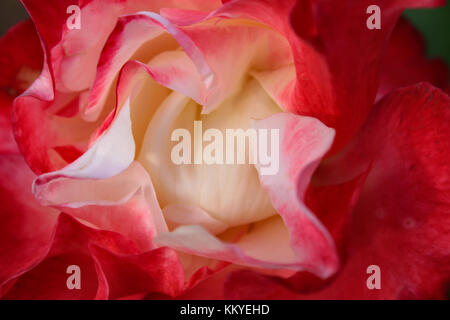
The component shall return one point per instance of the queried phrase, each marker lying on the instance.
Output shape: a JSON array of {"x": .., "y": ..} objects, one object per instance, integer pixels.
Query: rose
[{"x": 95, "y": 128}]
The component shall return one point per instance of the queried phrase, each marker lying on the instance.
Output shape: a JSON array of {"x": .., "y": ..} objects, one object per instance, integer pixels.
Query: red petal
[
  {"x": 405, "y": 62},
  {"x": 354, "y": 56},
  {"x": 21, "y": 58},
  {"x": 25, "y": 226},
  {"x": 111, "y": 267},
  {"x": 8, "y": 144},
  {"x": 158, "y": 271},
  {"x": 401, "y": 222}
]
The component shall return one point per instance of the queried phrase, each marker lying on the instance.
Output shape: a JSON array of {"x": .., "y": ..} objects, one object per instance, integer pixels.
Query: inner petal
[{"x": 231, "y": 193}]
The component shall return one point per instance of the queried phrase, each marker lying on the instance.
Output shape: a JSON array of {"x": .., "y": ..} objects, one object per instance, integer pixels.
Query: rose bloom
[{"x": 87, "y": 180}]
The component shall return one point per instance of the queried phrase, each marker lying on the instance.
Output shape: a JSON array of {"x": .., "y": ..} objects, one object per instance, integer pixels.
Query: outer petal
[
  {"x": 354, "y": 54},
  {"x": 21, "y": 59},
  {"x": 20, "y": 63},
  {"x": 7, "y": 143},
  {"x": 405, "y": 62},
  {"x": 102, "y": 256},
  {"x": 401, "y": 220},
  {"x": 158, "y": 271},
  {"x": 25, "y": 226},
  {"x": 125, "y": 203}
]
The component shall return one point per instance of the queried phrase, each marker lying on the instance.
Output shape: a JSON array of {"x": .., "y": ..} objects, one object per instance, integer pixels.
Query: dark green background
[{"x": 434, "y": 24}]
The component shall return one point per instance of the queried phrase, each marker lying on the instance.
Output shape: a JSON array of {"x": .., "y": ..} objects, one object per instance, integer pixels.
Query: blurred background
[{"x": 433, "y": 23}]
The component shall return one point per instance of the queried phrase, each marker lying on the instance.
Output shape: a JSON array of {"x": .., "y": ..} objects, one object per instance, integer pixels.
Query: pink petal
[
  {"x": 73, "y": 50},
  {"x": 103, "y": 177}
]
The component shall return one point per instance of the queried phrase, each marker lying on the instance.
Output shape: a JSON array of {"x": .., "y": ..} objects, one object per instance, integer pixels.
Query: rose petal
[
  {"x": 177, "y": 215},
  {"x": 102, "y": 256},
  {"x": 401, "y": 220},
  {"x": 305, "y": 86},
  {"x": 102, "y": 177},
  {"x": 73, "y": 50},
  {"x": 21, "y": 59},
  {"x": 7, "y": 143},
  {"x": 405, "y": 62},
  {"x": 121, "y": 47},
  {"x": 306, "y": 140},
  {"x": 112, "y": 153},
  {"x": 312, "y": 246},
  {"x": 355, "y": 65},
  {"x": 208, "y": 44},
  {"x": 333, "y": 204},
  {"x": 25, "y": 226},
  {"x": 125, "y": 203},
  {"x": 158, "y": 271},
  {"x": 70, "y": 60},
  {"x": 337, "y": 80}
]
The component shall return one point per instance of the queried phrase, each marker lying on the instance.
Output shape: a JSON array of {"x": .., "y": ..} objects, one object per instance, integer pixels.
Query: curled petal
[
  {"x": 103, "y": 177},
  {"x": 306, "y": 244}
]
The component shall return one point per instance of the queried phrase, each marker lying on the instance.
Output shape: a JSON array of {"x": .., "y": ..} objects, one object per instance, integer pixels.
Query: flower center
[{"x": 230, "y": 193}]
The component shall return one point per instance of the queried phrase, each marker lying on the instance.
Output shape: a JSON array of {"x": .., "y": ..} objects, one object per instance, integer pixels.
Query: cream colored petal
[{"x": 230, "y": 193}]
